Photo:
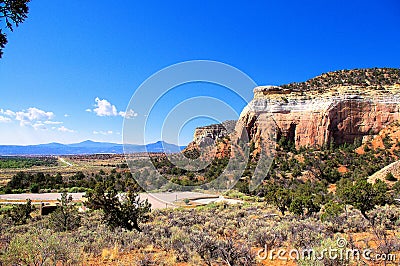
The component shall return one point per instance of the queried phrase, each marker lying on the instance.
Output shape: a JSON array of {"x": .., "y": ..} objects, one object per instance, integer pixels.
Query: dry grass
[
  {"x": 86, "y": 164},
  {"x": 112, "y": 257}
]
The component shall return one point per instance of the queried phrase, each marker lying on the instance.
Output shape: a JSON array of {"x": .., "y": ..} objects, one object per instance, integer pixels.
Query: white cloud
[
  {"x": 109, "y": 132},
  {"x": 130, "y": 114},
  {"x": 4, "y": 119},
  {"x": 39, "y": 125},
  {"x": 64, "y": 129},
  {"x": 66, "y": 115},
  {"x": 104, "y": 108},
  {"x": 32, "y": 115},
  {"x": 7, "y": 112},
  {"x": 53, "y": 122}
]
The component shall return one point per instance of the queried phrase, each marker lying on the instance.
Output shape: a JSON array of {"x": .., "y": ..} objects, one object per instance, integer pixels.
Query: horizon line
[{"x": 70, "y": 143}]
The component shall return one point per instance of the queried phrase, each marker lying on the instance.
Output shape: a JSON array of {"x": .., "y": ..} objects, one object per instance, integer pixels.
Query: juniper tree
[
  {"x": 12, "y": 13},
  {"x": 124, "y": 210}
]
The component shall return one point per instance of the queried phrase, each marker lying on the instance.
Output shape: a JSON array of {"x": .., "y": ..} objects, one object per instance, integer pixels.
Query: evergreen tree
[
  {"x": 19, "y": 214},
  {"x": 66, "y": 216},
  {"x": 124, "y": 210},
  {"x": 12, "y": 13}
]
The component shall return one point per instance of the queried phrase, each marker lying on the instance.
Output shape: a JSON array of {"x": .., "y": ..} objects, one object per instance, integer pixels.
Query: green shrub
[
  {"x": 387, "y": 216},
  {"x": 234, "y": 253},
  {"x": 21, "y": 213},
  {"x": 65, "y": 217},
  {"x": 363, "y": 195},
  {"x": 331, "y": 211},
  {"x": 40, "y": 247},
  {"x": 396, "y": 188},
  {"x": 119, "y": 210},
  {"x": 34, "y": 188},
  {"x": 320, "y": 251},
  {"x": 205, "y": 245},
  {"x": 390, "y": 177}
]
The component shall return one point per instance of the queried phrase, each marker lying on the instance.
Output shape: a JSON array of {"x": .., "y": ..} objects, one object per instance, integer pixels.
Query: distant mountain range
[{"x": 87, "y": 147}]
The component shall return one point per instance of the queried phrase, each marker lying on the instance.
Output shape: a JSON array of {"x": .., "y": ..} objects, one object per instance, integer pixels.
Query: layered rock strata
[
  {"x": 205, "y": 136},
  {"x": 340, "y": 115}
]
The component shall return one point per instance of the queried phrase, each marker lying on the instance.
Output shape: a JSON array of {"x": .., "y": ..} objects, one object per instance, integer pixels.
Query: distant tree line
[
  {"x": 26, "y": 162},
  {"x": 26, "y": 182}
]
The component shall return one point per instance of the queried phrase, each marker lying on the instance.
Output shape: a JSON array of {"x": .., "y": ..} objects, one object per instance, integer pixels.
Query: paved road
[
  {"x": 167, "y": 199},
  {"x": 217, "y": 200},
  {"x": 65, "y": 161},
  {"x": 39, "y": 196},
  {"x": 158, "y": 200}
]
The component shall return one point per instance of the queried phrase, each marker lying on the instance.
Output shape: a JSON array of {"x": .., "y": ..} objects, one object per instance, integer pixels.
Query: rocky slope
[
  {"x": 374, "y": 78},
  {"x": 393, "y": 168},
  {"x": 388, "y": 141}
]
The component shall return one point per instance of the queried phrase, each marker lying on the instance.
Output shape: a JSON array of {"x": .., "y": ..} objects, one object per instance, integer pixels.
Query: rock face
[
  {"x": 204, "y": 136},
  {"x": 337, "y": 107},
  {"x": 340, "y": 114}
]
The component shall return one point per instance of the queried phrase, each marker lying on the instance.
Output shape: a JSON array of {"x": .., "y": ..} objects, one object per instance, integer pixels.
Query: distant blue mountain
[{"x": 87, "y": 147}]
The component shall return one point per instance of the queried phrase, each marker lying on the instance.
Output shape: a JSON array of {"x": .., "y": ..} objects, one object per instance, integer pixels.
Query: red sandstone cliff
[
  {"x": 337, "y": 107},
  {"x": 340, "y": 120}
]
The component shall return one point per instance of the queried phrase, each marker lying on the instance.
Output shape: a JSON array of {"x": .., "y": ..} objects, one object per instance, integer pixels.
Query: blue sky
[{"x": 67, "y": 54}]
